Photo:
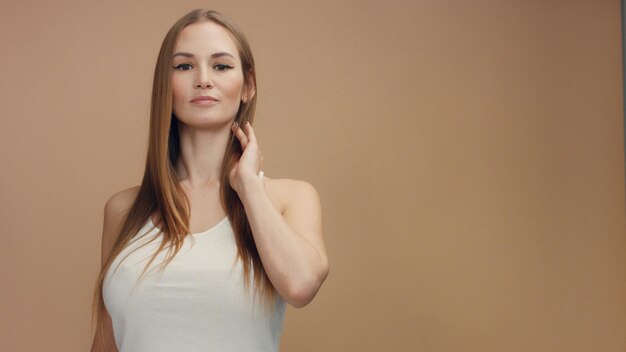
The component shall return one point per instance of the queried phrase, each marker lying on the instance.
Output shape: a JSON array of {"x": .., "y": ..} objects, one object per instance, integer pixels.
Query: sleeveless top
[{"x": 198, "y": 303}]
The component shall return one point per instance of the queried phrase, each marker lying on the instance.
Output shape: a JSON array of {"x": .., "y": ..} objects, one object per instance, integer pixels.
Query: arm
[
  {"x": 290, "y": 245},
  {"x": 109, "y": 341},
  {"x": 114, "y": 211}
]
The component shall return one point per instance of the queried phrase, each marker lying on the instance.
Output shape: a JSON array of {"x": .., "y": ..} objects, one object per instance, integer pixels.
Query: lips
[{"x": 203, "y": 98}]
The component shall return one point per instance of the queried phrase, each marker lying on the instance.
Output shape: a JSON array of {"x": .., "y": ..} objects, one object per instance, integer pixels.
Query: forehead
[{"x": 204, "y": 39}]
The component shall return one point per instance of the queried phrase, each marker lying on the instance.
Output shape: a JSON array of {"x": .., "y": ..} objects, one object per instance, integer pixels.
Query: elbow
[
  {"x": 301, "y": 297},
  {"x": 302, "y": 294}
]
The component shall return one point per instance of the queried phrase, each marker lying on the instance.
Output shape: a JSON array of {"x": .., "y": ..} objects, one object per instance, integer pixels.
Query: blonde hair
[{"x": 160, "y": 190}]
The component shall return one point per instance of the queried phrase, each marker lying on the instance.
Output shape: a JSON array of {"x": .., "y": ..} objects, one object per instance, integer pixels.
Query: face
[{"x": 206, "y": 62}]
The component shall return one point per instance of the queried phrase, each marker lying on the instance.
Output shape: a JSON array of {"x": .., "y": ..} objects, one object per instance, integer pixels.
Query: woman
[{"x": 228, "y": 229}]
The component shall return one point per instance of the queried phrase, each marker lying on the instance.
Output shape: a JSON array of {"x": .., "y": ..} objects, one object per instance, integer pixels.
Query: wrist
[{"x": 251, "y": 185}]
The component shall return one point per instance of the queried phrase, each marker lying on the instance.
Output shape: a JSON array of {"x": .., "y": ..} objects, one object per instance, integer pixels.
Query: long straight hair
[{"x": 160, "y": 190}]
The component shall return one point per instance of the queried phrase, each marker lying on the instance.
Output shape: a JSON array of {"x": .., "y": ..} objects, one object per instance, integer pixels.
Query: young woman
[{"x": 229, "y": 231}]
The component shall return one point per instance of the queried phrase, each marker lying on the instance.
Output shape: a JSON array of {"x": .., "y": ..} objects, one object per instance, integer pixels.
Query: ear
[{"x": 249, "y": 90}]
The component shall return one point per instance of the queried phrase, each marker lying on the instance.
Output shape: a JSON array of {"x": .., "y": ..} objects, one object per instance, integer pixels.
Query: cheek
[
  {"x": 178, "y": 96},
  {"x": 233, "y": 91},
  {"x": 234, "y": 87},
  {"x": 176, "y": 89}
]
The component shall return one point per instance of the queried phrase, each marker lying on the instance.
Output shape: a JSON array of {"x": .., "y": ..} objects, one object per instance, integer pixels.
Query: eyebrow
[{"x": 214, "y": 55}]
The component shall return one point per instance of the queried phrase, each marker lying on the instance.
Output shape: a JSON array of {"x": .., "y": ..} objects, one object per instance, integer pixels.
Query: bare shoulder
[
  {"x": 121, "y": 200},
  {"x": 285, "y": 191},
  {"x": 115, "y": 210}
]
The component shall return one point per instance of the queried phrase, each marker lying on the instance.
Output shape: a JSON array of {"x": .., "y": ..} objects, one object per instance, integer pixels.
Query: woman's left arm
[{"x": 290, "y": 245}]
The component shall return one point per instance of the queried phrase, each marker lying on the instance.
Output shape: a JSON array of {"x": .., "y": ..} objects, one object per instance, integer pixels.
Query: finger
[
  {"x": 250, "y": 132},
  {"x": 240, "y": 135}
]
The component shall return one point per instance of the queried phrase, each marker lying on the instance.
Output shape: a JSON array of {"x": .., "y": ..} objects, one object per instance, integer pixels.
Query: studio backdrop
[{"x": 469, "y": 156}]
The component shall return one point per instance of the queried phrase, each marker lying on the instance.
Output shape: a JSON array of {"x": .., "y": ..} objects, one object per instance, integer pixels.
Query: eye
[
  {"x": 222, "y": 67},
  {"x": 181, "y": 65}
]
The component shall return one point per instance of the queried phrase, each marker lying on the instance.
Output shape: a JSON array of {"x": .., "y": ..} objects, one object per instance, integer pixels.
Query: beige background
[{"x": 469, "y": 156}]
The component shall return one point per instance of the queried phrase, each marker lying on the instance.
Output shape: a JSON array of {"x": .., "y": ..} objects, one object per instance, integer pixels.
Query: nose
[{"x": 203, "y": 78}]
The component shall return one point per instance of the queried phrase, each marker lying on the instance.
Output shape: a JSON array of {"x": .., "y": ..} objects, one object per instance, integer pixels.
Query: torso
[{"x": 199, "y": 301}]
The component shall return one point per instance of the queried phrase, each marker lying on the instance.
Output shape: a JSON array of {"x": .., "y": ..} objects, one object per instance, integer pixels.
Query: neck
[{"x": 201, "y": 154}]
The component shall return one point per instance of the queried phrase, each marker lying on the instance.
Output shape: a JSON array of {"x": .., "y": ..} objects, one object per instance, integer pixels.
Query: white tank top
[{"x": 197, "y": 303}]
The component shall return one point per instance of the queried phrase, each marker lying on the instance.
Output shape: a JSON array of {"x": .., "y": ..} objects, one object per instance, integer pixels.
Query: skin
[{"x": 284, "y": 214}]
